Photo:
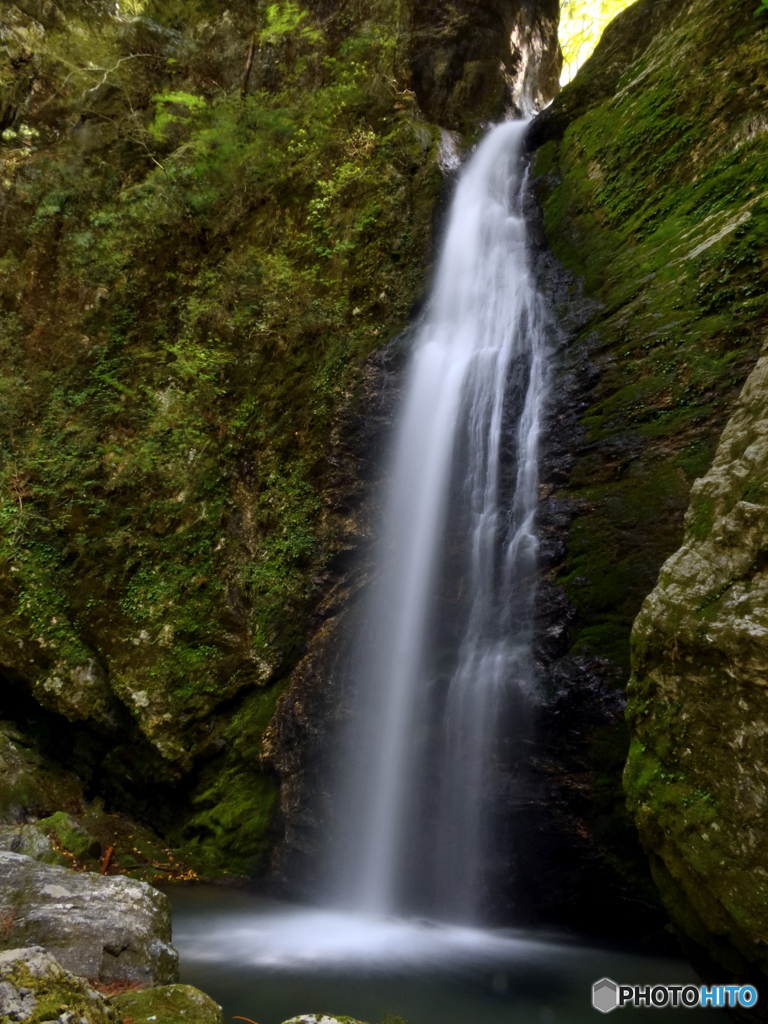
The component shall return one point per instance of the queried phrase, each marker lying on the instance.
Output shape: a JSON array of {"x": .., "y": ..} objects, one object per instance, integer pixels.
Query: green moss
[
  {"x": 68, "y": 835},
  {"x": 190, "y": 291},
  {"x": 228, "y": 831},
  {"x": 656, "y": 198},
  {"x": 31, "y": 785},
  {"x": 168, "y": 1004},
  {"x": 546, "y": 161},
  {"x": 702, "y": 518},
  {"x": 57, "y": 993},
  {"x": 612, "y": 824}
]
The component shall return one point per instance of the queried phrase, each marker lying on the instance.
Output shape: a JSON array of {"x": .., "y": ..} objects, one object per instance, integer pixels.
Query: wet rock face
[
  {"x": 696, "y": 775},
  {"x": 653, "y": 260},
  {"x": 475, "y": 61},
  {"x": 300, "y": 744},
  {"x": 570, "y": 822},
  {"x": 110, "y": 929}
]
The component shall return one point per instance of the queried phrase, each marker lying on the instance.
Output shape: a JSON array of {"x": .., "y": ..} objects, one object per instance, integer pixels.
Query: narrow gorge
[{"x": 381, "y": 504}]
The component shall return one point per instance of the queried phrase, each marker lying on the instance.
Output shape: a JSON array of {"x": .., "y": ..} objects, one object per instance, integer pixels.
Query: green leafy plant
[
  {"x": 285, "y": 19},
  {"x": 763, "y": 8}
]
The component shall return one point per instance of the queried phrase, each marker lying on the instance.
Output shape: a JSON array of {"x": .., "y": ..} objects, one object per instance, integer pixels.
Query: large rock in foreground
[
  {"x": 697, "y": 774},
  {"x": 35, "y": 987},
  {"x": 106, "y": 928}
]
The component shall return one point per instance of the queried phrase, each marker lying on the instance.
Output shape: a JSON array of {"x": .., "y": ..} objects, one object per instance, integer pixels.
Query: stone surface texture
[
  {"x": 34, "y": 987},
  {"x": 104, "y": 928},
  {"x": 697, "y": 774},
  {"x": 651, "y": 174},
  {"x": 474, "y": 60},
  {"x": 29, "y": 841}
]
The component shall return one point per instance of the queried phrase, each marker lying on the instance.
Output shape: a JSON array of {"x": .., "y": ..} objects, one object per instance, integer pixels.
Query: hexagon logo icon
[{"x": 605, "y": 995}]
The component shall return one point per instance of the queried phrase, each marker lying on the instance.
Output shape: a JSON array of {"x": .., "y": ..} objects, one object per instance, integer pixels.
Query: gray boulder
[
  {"x": 28, "y": 840},
  {"x": 102, "y": 928},
  {"x": 34, "y": 985}
]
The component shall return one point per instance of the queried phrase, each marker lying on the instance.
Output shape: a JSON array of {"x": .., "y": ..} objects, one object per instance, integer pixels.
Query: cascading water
[
  {"x": 442, "y": 681},
  {"x": 445, "y": 642}
]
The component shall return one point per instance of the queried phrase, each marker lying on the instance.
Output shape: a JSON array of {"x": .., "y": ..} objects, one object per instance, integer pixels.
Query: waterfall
[{"x": 444, "y": 652}]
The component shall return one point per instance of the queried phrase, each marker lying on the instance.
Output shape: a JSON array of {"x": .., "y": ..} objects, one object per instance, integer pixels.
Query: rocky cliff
[
  {"x": 650, "y": 174},
  {"x": 214, "y": 217},
  {"x": 213, "y": 213},
  {"x": 696, "y": 774}
]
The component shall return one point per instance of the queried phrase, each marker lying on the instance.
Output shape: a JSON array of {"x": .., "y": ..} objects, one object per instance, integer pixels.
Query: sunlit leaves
[{"x": 581, "y": 25}]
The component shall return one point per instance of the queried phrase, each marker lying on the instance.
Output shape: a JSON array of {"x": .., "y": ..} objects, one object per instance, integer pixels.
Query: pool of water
[{"x": 270, "y": 961}]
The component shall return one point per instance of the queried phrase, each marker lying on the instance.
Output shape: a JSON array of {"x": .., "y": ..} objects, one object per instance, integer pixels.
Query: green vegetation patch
[
  {"x": 167, "y": 1004},
  {"x": 199, "y": 264}
]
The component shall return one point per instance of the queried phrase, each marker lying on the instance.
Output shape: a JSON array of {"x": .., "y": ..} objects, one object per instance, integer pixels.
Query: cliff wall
[
  {"x": 212, "y": 214},
  {"x": 696, "y": 774},
  {"x": 650, "y": 173}
]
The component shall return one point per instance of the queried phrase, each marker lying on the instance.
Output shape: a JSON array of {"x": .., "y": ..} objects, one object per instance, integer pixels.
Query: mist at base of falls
[
  {"x": 441, "y": 682},
  {"x": 267, "y": 961}
]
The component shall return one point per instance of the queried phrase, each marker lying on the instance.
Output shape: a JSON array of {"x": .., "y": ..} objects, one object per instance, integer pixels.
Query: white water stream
[
  {"x": 442, "y": 679},
  {"x": 445, "y": 641}
]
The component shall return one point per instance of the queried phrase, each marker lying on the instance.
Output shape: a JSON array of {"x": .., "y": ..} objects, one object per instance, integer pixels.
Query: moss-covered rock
[
  {"x": 191, "y": 287},
  {"x": 695, "y": 777},
  {"x": 29, "y": 841},
  {"x": 655, "y": 196},
  {"x": 167, "y": 1004},
  {"x": 34, "y": 987},
  {"x": 652, "y": 175},
  {"x": 30, "y": 784},
  {"x": 202, "y": 253},
  {"x": 107, "y": 929},
  {"x": 70, "y": 836}
]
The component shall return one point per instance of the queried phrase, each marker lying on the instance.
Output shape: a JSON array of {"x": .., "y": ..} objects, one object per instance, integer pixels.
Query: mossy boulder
[
  {"x": 29, "y": 841},
  {"x": 69, "y": 836},
  {"x": 696, "y": 778},
  {"x": 167, "y": 1004},
  {"x": 34, "y": 987},
  {"x": 107, "y": 929}
]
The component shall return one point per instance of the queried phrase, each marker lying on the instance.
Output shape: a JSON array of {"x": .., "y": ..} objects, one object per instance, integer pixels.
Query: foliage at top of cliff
[
  {"x": 581, "y": 25},
  {"x": 194, "y": 266}
]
